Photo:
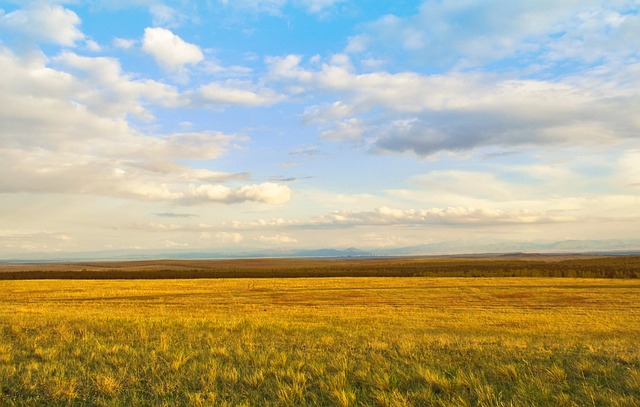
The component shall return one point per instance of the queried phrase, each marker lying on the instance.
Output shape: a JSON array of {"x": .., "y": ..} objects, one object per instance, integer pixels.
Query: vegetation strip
[{"x": 584, "y": 267}]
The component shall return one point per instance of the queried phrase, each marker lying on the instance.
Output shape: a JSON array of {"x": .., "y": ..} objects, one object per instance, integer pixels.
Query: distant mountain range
[
  {"x": 432, "y": 249},
  {"x": 564, "y": 246}
]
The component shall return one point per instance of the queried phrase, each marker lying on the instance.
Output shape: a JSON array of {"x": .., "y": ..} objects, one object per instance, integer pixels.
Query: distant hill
[{"x": 431, "y": 249}]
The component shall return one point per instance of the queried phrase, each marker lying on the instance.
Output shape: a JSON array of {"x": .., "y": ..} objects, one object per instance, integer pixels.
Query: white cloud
[
  {"x": 234, "y": 93},
  {"x": 460, "y": 185},
  {"x": 124, "y": 43},
  {"x": 425, "y": 114},
  {"x": 453, "y": 33},
  {"x": 317, "y": 6},
  {"x": 171, "y": 51},
  {"x": 357, "y": 44},
  {"x": 92, "y": 46},
  {"x": 32, "y": 241},
  {"x": 275, "y": 7},
  {"x": 165, "y": 16},
  {"x": 327, "y": 113},
  {"x": 437, "y": 216},
  {"x": 171, "y": 243},
  {"x": 277, "y": 239},
  {"x": 107, "y": 91},
  {"x": 44, "y": 23},
  {"x": 227, "y": 237},
  {"x": 351, "y": 129},
  {"x": 263, "y": 223},
  {"x": 629, "y": 169},
  {"x": 68, "y": 134},
  {"x": 268, "y": 192}
]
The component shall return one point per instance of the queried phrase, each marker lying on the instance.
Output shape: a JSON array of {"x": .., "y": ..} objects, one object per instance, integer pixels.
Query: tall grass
[{"x": 331, "y": 341}]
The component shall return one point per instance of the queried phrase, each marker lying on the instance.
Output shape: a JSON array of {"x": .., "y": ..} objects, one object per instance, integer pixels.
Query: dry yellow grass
[{"x": 329, "y": 341}]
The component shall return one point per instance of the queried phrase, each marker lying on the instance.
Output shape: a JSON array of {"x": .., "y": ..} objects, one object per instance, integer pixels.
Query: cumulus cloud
[
  {"x": 268, "y": 192},
  {"x": 458, "y": 101},
  {"x": 424, "y": 114},
  {"x": 110, "y": 92},
  {"x": 43, "y": 23},
  {"x": 68, "y": 134},
  {"x": 169, "y": 50}
]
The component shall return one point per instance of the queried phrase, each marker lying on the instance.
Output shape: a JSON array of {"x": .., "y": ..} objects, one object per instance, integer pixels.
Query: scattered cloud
[
  {"x": 124, "y": 43},
  {"x": 328, "y": 113},
  {"x": 235, "y": 93},
  {"x": 352, "y": 129},
  {"x": 92, "y": 46},
  {"x": 67, "y": 133},
  {"x": 102, "y": 87},
  {"x": 491, "y": 119},
  {"x": 277, "y": 239},
  {"x": 225, "y": 237},
  {"x": 170, "y": 243},
  {"x": 318, "y": 6},
  {"x": 262, "y": 223},
  {"x": 275, "y": 7},
  {"x": 305, "y": 151},
  {"x": 436, "y": 216},
  {"x": 176, "y": 215},
  {"x": 450, "y": 34},
  {"x": 268, "y": 192},
  {"x": 169, "y": 50},
  {"x": 165, "y": 16},
  {"x": 425, "y": 114},
  {"x": 42, "y": 22}
]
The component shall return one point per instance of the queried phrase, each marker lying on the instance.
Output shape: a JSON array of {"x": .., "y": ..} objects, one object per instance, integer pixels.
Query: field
[
  {"x": 503, "y": 266},
  {"x": 342, "y": 341}
]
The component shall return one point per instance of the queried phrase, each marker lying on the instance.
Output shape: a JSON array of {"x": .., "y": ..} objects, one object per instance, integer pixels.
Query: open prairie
[
  {"x": 321, "y": 341},
  {"x": 518, "y": 265}
]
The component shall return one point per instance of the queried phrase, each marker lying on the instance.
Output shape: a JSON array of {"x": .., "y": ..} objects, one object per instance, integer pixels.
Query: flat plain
[{"x": 388, "y": 341}]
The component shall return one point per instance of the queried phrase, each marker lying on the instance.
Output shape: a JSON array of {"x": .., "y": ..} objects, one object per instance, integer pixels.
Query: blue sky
[{"x": 232, "y": 126}]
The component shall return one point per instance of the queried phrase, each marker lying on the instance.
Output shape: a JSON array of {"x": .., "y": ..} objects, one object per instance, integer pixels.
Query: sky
[{"x": 239, "y": 125}]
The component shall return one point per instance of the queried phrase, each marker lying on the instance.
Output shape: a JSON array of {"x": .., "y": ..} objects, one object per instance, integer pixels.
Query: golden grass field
[{"x": 321, "y": 341}]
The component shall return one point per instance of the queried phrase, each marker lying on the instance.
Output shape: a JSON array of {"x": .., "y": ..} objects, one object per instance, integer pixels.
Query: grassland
[
  {"x": 504, "y": 266},
  {"x": 321, "y": 341}
]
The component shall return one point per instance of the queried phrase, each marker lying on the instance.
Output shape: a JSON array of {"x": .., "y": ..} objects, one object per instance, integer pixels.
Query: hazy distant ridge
[{"x": 445, "y": 248}]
